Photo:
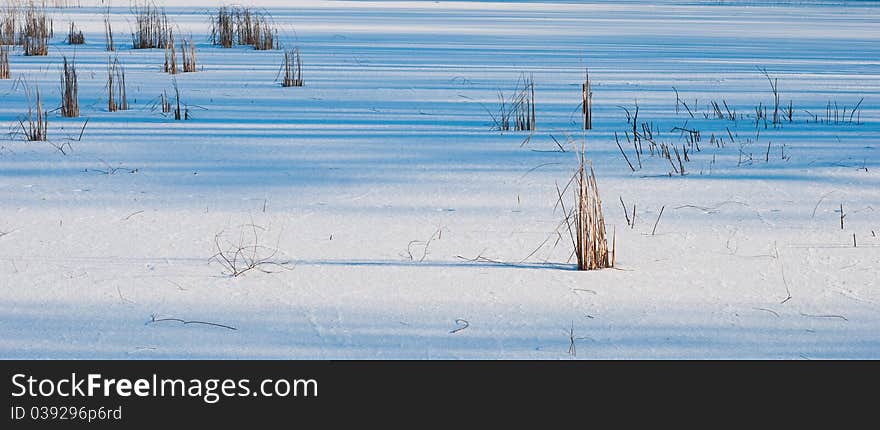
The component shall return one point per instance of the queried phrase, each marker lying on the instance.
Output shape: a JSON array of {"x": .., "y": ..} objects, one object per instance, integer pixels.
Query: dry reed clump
[
  {"x": 36, "y": 31},
  {"x": 4, "y": 62},
  {"x": 179, "y": 110},
  {"x": 117, "y": 99},
  {"x": 8, "y": 19},
  {"x": 223, "y": 28},
  {"x": 188, "y": 51},
  {"x": 838, "y": 114},
  {"x": 586, "y": 222},
  {"x": 34, "y": 125},
  {"x": 170, "y": 56},
  {"x": 292, "y": 69},
  {"x": 109, "y": 44},
  {"x": 152, "y": 28},
  {"x": 74, "y": 36},
  {"x": 525, "y": 108},
  {"x": 69, "y": 90},
  {"x": 165, "y": 102},
  {"x": 243, "y": 26},
  {"x": 246, "y": 253},
  {"x": 587, "y": 101},
  {"x": 519, "y": 111},
  {"x": 267, "y": 38}
]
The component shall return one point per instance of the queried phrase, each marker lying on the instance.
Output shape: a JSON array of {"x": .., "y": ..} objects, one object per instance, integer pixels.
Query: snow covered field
[{"x": 389, "y": 146}]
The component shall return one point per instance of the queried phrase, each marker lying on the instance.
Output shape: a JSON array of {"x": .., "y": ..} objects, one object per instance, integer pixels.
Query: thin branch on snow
[{"x": 154, "y": 319}]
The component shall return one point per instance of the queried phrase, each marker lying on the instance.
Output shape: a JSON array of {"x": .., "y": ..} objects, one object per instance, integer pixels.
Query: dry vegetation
[
  {"x": 109, "y": 44},
  {"x": 8, "y": 20},
  {"x": 36, "y": 31},
  {"x": 188, "y": 52},
  {"x": 179, "y": 110},
  {"x": 170, "y": 55},
  {"x": 117, "y": 99},
  {"x": 69, "y": 90},
  {"x": 223, "y": 28},
  {"x": 246, "y": 253},
  {"x": 292, "y": 69},
  {"x": 34, "y": 125},
  {"x": 75, "y": 36},
  {"x": 165, "y": 102},
  {"x": 152, "y": 28},
  {"x": 517, "y": 112},
  {"x": 586, "y": 222},
  {"x": 4, "y": 62},
  {"x": 587, "y": 101},
  {"x": 525, "y": 106},
  {"x": 238, "y": 25}
]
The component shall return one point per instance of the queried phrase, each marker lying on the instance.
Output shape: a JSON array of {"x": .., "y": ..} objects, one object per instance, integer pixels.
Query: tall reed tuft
[
  {"x": 152, "y": 28},
  {"x": 170, "y": 56},
  {"x": 36, "y": 31},
  {"x": 188, "y": 51},
  {"x": 524, "y": 109},
  {"x": 34, "y": 125},
  {"x": 75, "y": 36},
  {"x": 8, "y": 20},
  {"x": 587, "y": 101},
  {"x": 519, "y": 111},
  {"x": 223, "y": 27},
  {"x": 175, "y": 107},
  {"x": 165, "y": 102},
  {"x": 4, "y": 62},
  {"x": 240, "y": 25},
  {"x": 109, "y": 44},
  {"x": 117, "y": 99},
  {"x": 69, "y": 90},
  {"x": 586, "y": 222},
  {"x": 292, "y": 69}
]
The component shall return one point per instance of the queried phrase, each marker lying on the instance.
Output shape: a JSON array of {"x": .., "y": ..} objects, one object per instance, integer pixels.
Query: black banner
[{"x": 174, "y": 394}]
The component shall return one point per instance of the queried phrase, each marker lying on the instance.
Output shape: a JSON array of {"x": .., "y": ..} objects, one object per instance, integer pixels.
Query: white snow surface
[{"x": 389, "y": 145}]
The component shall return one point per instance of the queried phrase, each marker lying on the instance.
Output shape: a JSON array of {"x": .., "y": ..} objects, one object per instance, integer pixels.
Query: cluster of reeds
[
  {"x": 165, "y": 102},
  {"x": 587, "y": 101},
  {"x": 678, "y": 168},
  {"x": 109, "y": 45},
  {"x": 69, "y": 90},
  {"x": 716, "y": 112},
  {"x": 223, "y": 27},
  {"x": 117, "y": 99},
  {"x": 525, "y": 106},
  {"x": 8, "y": 20},
  {"x": 188, "y": 52},
  {"x": 267, "y": 38},
  {"x": 170, "y": 56},
  {"x": 75, "y": 36},
  {"x": 839, "y": 114},
  {"x": 34, "y": 125},
  {"x": 517, "y": 112},
  {"x": 292, "y": 69},
  {"x": 175, "y": 106},
  {"x": 639, "y": 131},
  {"x": 243, "y": 26},
  {"x": 152, "y": 28},
  {"x": 644, "y": 138},
  {"x": 36, "y": 31},
  {"x": 586, "y": 222},
  {"x": 4, "y": 62}
]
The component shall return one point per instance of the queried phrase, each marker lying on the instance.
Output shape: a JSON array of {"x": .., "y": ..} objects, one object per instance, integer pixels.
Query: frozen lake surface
[{"x": 406, "y": 227}]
